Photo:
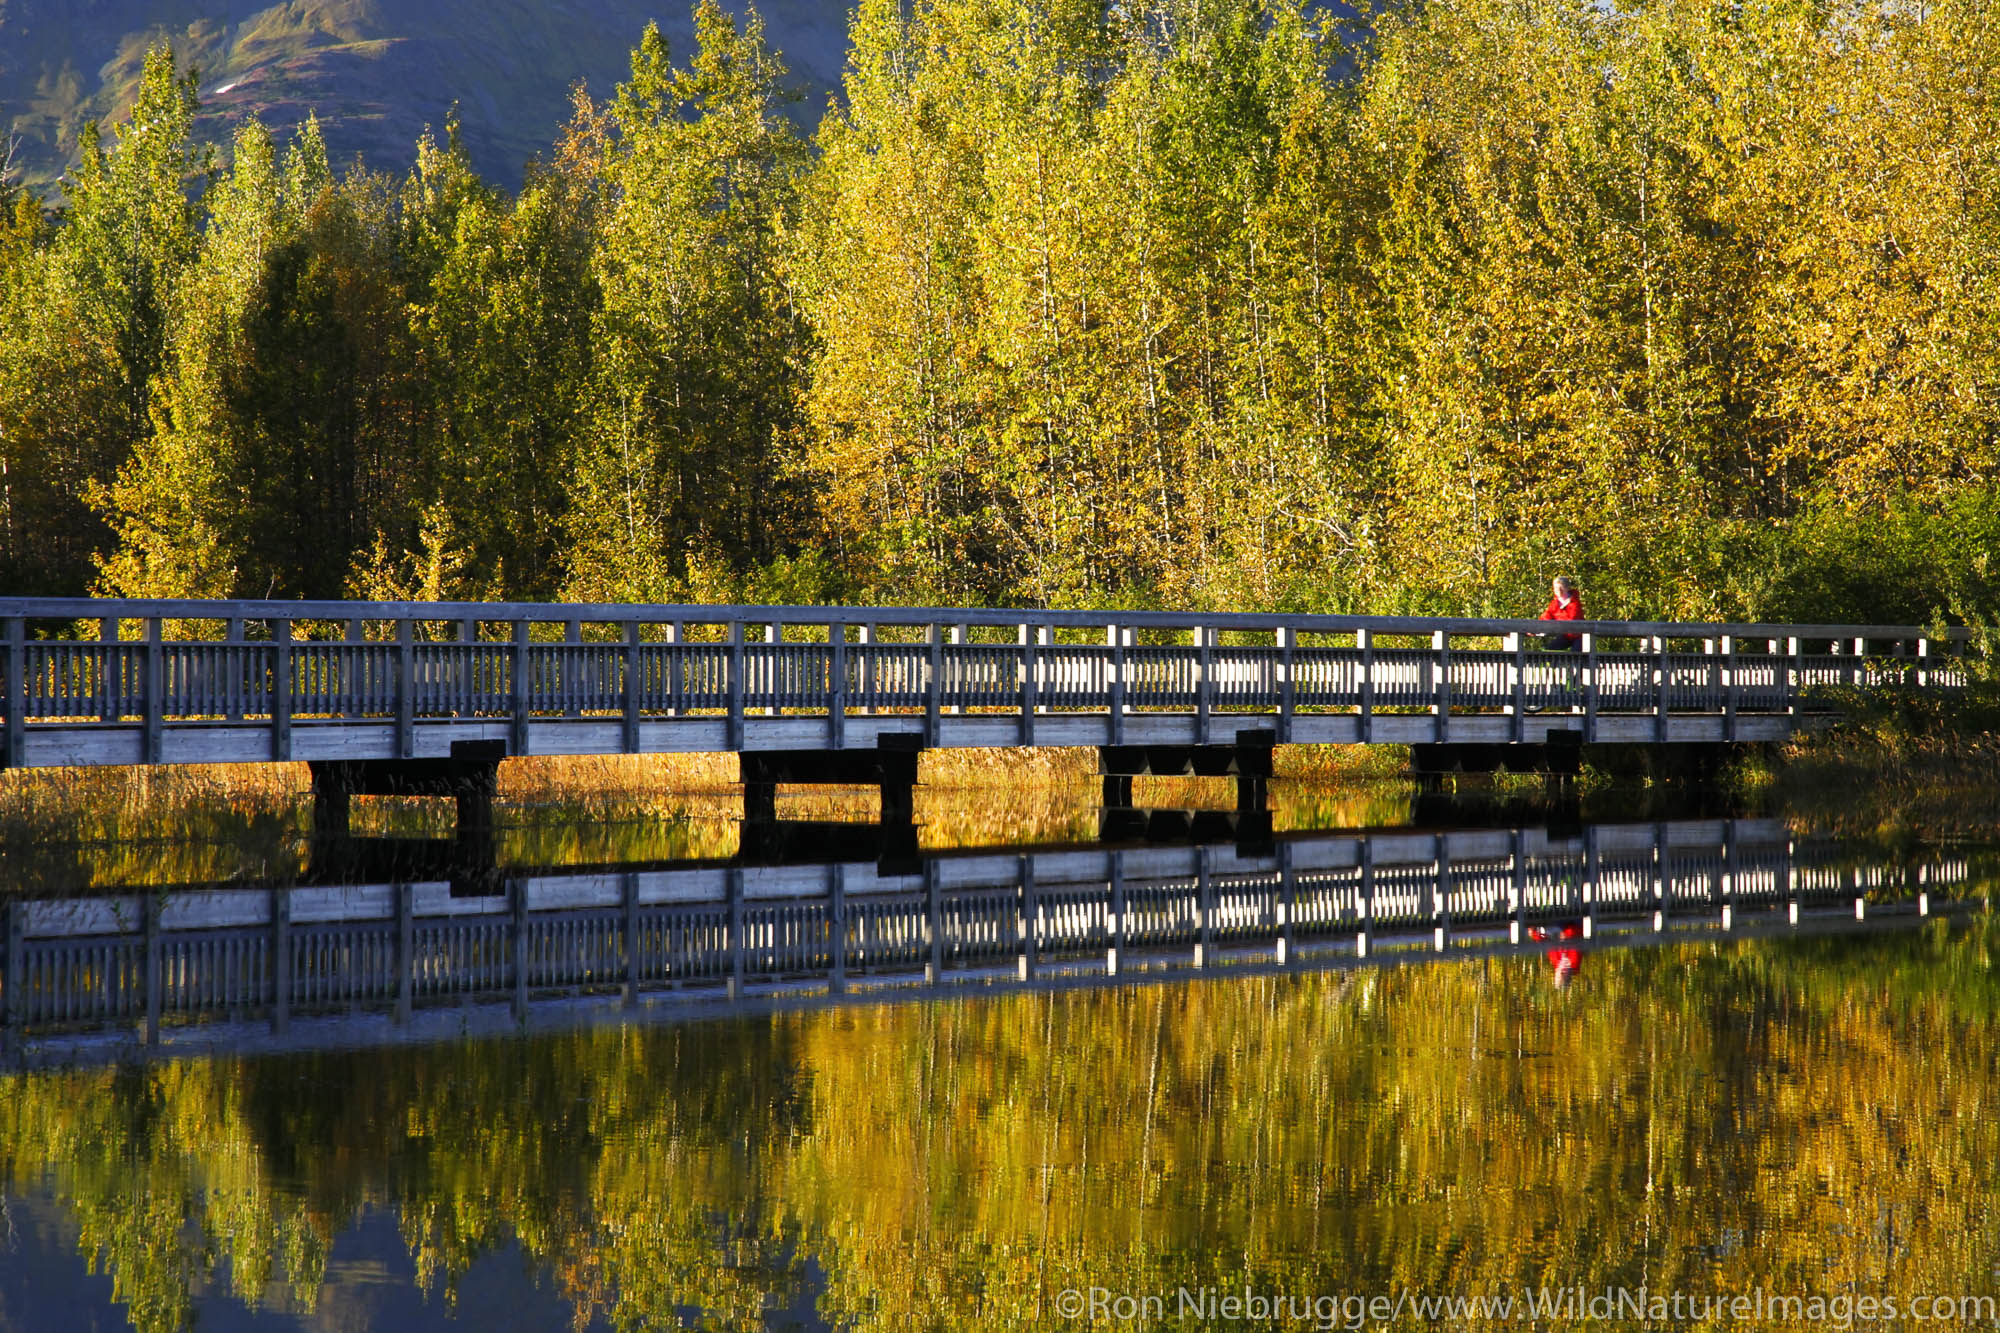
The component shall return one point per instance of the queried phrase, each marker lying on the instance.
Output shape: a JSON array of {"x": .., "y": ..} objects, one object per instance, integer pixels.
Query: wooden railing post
[
  {"x": 1025, "y": 959},
  {"x": 1045, "y": 637},
  {"x": 14, "y": 985},
  {"x": 233, "y": 677},
  {"x": 736, "y": 943},
  {"x": 736, "y": 661},
  {"x": 934, "y": 683},
  {"x": 110, "y": 630},
  {"x": 1518, "y": 889},
  {"x": 1662, "y": 671},
  {"x": 1365, "y": 722},
  {"x": 933, "y": 924},
  {"x": 836, "y": 928},
  {"x": 1115, "y": 950},
  {"x": 1729, "y": 687},
  {"x": 1029, "y": 668},
  {"x": 774, "y": 664},
  {"x": 1365, "y": 934},
  {"x": 1114, "y": 638},
  {"x": 1285, "y": 638},
  {"x": 1204, "y": 637},
  {"x": 519, "y": 936},
  {"x": 628, "y": 896},
  {"x": 957, "y": 637},
  {"x": 1518, "y": 708},
  {"x": 149, "y": 917},
  {"x": 1441, "y": 663},
  {"x": 573, "y": 674},
  {"x": 866, "y": 677},
  {"x": 1794, "y": 677},
  {"x": 518, "y": 684},
  {"x": 406, "y": 949},
  {"x": 1590, "y": 688},
  {"x": 1440, "y": 893},
  {"x": 631, "y": 692},
  {"x": 406, "y": 689},
  {"x": 676, "y": 669},
  {"x": 16, "y": 702},
  {"x": 281, "y": 959},
  {"x": 281, "y": 689},
  {"x": 152, "y": 682},
  {"x": 1204, "y": 896},
  {"x": 836, "y": 698}
]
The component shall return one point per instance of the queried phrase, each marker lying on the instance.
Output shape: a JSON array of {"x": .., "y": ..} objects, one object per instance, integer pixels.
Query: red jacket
[{"x": 1557, "y": 611}]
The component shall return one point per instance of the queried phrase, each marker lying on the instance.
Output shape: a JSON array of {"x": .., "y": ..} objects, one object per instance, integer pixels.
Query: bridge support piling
[
  {"x": 891, "y": 767},
  {"x": 471, "y": 777}
]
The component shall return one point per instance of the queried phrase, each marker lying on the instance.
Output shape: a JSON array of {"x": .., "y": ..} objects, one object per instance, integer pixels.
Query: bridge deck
[{"x": 206, "y": 682}]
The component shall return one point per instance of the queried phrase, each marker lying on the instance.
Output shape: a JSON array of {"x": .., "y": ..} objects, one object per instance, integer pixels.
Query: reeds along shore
[{"x": 70, "y": 829}]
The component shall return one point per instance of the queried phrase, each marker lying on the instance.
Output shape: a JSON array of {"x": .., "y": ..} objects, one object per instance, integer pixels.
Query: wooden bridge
[
  {"x": 153, "y": 965},
  {"x": 94, "y": 682}
]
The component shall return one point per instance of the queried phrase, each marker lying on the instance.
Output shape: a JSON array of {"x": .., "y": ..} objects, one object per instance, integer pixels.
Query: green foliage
[{"x": 1234, "y": 305}]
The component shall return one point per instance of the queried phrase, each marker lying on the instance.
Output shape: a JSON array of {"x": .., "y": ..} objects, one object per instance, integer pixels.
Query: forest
[{"x": 1204, "y": 304}]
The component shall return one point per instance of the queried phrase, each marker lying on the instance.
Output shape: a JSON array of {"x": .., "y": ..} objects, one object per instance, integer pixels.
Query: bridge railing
[{"x": 158, "y": 662}]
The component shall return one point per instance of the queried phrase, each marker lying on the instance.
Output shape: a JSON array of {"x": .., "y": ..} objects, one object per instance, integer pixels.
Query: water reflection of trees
[{"x": 1812, "y": 1116}]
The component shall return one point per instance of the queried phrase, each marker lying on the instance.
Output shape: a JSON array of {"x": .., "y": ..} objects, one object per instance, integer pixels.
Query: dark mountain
[{"x": 376, "y": 71}]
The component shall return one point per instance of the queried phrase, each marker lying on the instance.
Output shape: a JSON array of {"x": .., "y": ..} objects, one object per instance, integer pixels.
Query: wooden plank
[
  {"x": 736, "y": 662},
  {"x": 406, "y": 689},
  {"x": 281, "y": 689},
  {"x": 15, "y": 753},
  {"x": 836, "y": 699},
  {"x": 631, "y": 691},
  {"x": 1285, "y": 639},
  {"x": 934, "y": 687},
  {"x": 1026, "y": 726},
  {"x": 1590, "y": 687},
  {"x": 1364, "y": 639},
  {"x": 517, "y": 689},
  {"x": 1204, "y": 640},
  {"x": 152, "y": 688}
]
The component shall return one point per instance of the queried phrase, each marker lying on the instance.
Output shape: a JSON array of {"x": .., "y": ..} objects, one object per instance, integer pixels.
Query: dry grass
[
  {"x": 68, "y": 828},
  {"x": 1933, "y": 789}
]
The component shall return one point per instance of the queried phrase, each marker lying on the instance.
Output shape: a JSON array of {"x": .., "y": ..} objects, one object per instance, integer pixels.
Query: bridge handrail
[{"x": 87, "y": 608}]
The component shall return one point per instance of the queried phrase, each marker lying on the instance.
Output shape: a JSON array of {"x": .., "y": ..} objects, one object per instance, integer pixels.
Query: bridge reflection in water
[{"x": 364, "y": 963}]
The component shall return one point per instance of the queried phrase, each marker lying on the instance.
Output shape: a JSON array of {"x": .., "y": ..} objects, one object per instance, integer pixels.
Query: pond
[{"x": 1639, "y": 1119}]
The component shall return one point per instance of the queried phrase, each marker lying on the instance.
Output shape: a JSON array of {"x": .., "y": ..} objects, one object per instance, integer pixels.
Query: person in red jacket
[{"x": 1564, "y": 604}]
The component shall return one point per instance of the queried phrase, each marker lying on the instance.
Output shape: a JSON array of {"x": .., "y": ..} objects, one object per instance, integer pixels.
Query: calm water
[{"x": 1814, "y": 1117}]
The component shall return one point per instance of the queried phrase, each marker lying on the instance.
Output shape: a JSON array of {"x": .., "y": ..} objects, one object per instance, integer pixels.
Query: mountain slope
[{"x": 376, "y": 71}]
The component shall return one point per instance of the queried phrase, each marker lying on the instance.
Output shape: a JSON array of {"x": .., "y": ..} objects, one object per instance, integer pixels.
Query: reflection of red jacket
[
  {"x": 1557, "y": 611},
  {"x": 1564, "y": 961}
]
